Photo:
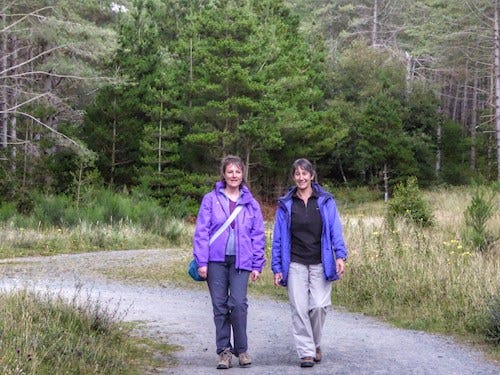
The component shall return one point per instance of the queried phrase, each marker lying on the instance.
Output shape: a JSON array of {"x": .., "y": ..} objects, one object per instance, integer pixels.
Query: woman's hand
[
  {"x": 277, "y": 278},
  {"x": 255, "y": 275},
  {"x": 340, "y": 266},
  {"x": 202, "y": 271}
]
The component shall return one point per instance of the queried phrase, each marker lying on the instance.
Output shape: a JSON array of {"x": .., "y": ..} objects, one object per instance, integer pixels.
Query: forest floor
[{"x": 352, "y": 343}]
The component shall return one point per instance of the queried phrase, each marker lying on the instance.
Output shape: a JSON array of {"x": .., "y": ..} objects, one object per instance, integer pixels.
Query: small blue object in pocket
[{"x": 193, "y": 271}]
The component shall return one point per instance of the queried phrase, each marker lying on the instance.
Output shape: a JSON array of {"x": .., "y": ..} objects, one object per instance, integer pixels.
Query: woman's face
[
  {"x": 302, "y": 178},
  {"x": 233, "y": 176}
]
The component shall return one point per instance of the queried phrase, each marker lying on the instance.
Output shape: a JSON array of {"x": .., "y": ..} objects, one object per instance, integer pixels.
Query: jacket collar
[
  {"x": 246, "y": 195},
  {"x": 317, "y": 188}
]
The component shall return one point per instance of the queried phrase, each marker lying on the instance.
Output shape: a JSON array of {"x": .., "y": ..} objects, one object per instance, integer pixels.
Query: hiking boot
[
  {"x": 319, "y": 355},
  {"x": 307, "y": 362},
  {"x": 224, "y": 360},
  {"x": 244, "y": 359}
]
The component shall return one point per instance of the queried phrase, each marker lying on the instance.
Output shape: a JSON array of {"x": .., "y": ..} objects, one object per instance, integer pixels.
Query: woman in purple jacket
[
  {"x": 227, "y": 262},
  {"x": 308, "y": 253}
]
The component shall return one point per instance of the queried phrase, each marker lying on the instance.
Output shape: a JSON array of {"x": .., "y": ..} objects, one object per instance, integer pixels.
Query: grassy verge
[
  {"x": 426, "y": 279},
  {"x": 44, "y": 334},
  {"x": 16, "y": 242}
]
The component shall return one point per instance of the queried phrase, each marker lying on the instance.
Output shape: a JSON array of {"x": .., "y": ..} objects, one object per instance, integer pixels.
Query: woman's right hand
[
  {"x": 277, "y": 278},
  {"x": 202, "y": 271}
]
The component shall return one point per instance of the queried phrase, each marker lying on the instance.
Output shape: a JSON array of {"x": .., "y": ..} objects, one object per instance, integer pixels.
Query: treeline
[{"x": 150, "y": 94}]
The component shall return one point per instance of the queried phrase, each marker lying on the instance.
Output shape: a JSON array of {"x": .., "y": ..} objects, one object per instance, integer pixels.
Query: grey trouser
[
  {"x": 310, "y": 295},
  {"x": 228, "y": 289}
]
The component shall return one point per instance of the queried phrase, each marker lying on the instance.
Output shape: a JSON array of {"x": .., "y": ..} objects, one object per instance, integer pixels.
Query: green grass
[
  {"x": 42, "y": 335},
  {"x": 45, "y": 334},
  {"x": 426, "y": 279},
  {"x": 16, "y": 242}
]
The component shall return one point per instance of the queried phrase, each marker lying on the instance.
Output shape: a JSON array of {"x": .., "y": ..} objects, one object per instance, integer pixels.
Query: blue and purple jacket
[{"x": 332, "y": 240}]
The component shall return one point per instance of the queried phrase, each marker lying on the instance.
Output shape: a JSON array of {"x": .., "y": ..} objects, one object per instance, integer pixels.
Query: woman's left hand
[
  {"x": 340, "y": 266},
  {"x": 255, "y": 275}
]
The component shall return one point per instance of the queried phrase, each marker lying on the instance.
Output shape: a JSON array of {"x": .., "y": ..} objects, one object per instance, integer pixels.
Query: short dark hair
[
  {"x": 232, "y": 159},
  {"x": 305, "y": 165}
]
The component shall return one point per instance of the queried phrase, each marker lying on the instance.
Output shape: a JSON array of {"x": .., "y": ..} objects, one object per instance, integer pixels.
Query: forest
[{"x": 148, "y": 95}]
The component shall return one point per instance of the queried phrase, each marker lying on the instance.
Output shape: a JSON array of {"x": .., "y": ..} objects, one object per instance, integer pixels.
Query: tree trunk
[
  {"x": 386, "y": 183},
  {"x": 12, "y": 116},
  {"x": 190, "y": 70},
  {"x": 456, "y": 103},
  {"x": 473, "y": 123},
  {"x": 247, "y": 162},
  {"x": 410, "y": 66},
  {"x": 160, "y": 131},
  {"x": 497, "y": 86},
  {"x": 4, "y": 85},
  {"x": 465, "y": 101},
  {"x": 375, "y": 23},
  {"x": 439, "y": 131},
  {"x": 113, "y": 147}
]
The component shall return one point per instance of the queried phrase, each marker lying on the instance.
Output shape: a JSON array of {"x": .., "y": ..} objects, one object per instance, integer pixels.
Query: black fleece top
[{"x": 306, "y": 230}]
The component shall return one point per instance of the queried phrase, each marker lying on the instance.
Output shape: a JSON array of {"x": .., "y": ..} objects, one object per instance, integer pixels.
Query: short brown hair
[{"x": 232, "y": 159}]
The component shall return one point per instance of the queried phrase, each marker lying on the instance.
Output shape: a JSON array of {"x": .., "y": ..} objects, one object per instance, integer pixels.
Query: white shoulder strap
[{"x": 226, "y": 224}]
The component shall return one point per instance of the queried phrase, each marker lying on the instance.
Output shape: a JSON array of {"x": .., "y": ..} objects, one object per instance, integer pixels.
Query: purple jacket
[{"x": 249, "y": 230}]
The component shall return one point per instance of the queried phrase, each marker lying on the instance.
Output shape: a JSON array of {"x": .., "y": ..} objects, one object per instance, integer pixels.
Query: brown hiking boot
[
  {"x": 307, "y": 362},
  {"x": 244, "y": 359},
  {"x": 319, "y": 355},
  {"x": 224, "y": 360}
]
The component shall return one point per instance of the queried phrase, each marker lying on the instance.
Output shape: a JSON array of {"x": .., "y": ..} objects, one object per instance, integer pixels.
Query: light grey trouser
[{"x": 310, "y": 295}]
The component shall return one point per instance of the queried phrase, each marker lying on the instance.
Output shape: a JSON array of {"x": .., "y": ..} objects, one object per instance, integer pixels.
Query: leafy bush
[
  {"x": 24, "y": 203},
  {"x": 50, "y": 210},
  {"x": 7, "y": 211},
  {"x": 354, "y": 196},
  {"x": 408, "y": 203}
]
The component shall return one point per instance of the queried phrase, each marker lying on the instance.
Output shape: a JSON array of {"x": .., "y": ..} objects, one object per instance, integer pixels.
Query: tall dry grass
[
  {"x": 20, "y": 241},
  {"x": 422, "y": 278}
]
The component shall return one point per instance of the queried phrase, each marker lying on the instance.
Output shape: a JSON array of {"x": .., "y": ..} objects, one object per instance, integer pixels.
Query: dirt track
[{"x": 352, "y": 344}]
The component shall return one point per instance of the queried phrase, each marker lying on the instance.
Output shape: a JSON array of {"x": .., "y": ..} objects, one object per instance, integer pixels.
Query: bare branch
[
  {"x": 52, "y": 129},
  {"x": 18, "y": 75},
  {"x": 10, "y": 110},
  {"x": 33, "y": 59},
  {"x": 24, "y": 16}
]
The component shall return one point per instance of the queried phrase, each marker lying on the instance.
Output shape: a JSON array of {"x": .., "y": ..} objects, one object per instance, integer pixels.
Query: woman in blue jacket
[
  {"x": 308, "y": 253},
  {"x": 228, "y": 260}
]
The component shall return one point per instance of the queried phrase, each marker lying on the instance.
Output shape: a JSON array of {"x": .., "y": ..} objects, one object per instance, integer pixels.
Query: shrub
[
  {"x": 24, "y": 203},
  {"x": 354, "y": 196},
  {"x": 408, "y": 203},
  {"x": 50, "y": 210},
  {"x": 477, "y": 214},
  {"x": 493, "y": 326},
  {"x": 7, "y": 211}
]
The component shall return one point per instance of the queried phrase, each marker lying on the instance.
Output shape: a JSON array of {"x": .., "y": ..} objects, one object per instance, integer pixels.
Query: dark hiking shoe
[
  {"x": 307, "y": 362},
  {"x": 319, "y": 355}
]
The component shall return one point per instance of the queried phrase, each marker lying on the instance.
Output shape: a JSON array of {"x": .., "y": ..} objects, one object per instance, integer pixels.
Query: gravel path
[{"x": 352, "y": 344}]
